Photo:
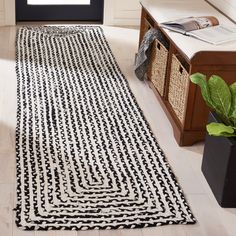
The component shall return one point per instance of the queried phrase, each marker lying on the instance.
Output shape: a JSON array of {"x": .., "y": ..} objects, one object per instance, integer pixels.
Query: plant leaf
[
  {"x": 200, "y": 80},
  {"x": 219, "y": 129},
  {"x": 220, "y": 95},
  {"x": 233, "y": 102}
]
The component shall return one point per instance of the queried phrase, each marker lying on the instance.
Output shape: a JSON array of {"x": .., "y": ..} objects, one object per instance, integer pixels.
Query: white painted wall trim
[
  {"x": 7, "y": 12},
  {"x": 10, "y": 15},
  {"x": 108, "y": 18},
  {"x": 122, "y": 12}
]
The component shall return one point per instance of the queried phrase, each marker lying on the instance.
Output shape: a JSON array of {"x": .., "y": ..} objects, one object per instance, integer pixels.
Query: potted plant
[{"x": 219, "y": 157}]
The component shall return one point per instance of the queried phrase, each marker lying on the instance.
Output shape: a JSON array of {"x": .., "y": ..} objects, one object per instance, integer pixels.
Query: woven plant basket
[
  {"x": 157, "y": 66},
  {"x": 178, "y": 88}
]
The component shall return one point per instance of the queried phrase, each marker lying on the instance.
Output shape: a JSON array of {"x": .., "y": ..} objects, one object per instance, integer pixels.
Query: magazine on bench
[{"x": 205, "y": 28}]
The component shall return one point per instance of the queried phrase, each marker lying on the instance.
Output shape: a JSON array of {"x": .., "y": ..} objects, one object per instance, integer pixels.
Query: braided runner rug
[{"x": 86, "y": 157}]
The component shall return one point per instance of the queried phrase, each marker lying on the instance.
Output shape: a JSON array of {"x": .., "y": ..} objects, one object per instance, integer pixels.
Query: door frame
[
  {"x": 92, "y": 12},
  {"x": 10, "y": 12}
]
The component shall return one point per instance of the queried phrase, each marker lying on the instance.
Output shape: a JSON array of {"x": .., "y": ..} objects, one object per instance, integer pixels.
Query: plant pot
[{"x": 219, "y": 166}]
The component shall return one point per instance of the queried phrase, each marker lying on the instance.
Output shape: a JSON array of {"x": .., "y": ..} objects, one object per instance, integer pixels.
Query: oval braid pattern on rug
[{"x": 86, "y": 156}]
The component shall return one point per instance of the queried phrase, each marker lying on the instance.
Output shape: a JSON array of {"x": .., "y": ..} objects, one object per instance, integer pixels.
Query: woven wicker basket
[
  {"x": 178, "y": 88},
  {"x": 157, "y": 66}
]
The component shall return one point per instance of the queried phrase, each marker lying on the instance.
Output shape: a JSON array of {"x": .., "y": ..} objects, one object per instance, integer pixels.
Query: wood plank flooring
[{"x": 185, "y": 161}]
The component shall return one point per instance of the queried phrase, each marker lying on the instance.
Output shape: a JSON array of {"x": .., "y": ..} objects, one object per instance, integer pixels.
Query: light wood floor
[{"x": 185, "y": 161}]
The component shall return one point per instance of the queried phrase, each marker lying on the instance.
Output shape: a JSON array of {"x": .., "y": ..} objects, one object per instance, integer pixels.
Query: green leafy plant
[{"x": 222, "y": 99}]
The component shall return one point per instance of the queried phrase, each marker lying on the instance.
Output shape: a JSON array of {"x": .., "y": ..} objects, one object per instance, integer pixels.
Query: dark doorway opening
[{"x": 60, "y": 10}]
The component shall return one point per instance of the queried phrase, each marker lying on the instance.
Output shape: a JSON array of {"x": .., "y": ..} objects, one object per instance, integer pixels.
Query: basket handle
[{"x": 181, "y": 70}]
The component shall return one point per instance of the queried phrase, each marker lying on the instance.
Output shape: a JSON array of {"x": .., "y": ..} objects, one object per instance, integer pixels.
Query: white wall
[
  {"x": 7, "y": 12},
  {"x": 122, "y": 12},
  {"x": 226, "y": 6},
  {"x": 2, "y": 12}
]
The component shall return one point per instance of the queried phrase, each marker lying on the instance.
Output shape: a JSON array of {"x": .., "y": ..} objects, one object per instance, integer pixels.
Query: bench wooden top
[{"x": 166, "y": 10}]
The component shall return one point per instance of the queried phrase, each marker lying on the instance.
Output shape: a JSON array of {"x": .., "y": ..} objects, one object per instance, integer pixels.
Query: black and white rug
[{"x": 86, "y": 157}]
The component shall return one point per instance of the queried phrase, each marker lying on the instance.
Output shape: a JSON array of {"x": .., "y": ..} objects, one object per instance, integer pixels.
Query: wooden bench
[{"x": 180, "y": 99}]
